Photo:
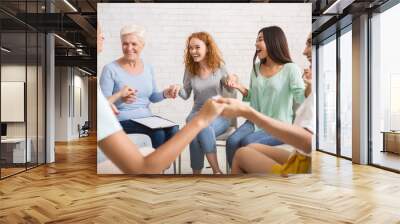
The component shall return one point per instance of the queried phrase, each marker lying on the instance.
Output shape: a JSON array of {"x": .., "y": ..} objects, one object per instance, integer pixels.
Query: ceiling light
[
  {"x": 5, "y": 50},
  {"x": 337, "y": 7},
  {"x": 84, "y": 71},
  {"x": 70, "y": 5},
  {"x": 64, "y": 40}
]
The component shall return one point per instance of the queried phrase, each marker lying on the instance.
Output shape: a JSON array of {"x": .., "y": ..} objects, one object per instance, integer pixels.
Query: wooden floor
[
  {"x": 387, "y": 159},
  {"x": 70, "y": 191}
]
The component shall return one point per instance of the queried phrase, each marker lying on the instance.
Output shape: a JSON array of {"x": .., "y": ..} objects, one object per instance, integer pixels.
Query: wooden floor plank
[{"x": 70, "y": 191}]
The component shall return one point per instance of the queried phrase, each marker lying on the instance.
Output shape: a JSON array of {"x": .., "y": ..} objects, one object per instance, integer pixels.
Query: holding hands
[
  {"x": 227, "y": 107},
  {"x": 209, "y": 111},
  {"x": 232, "y": 81},
  {"x": 172, "y": 91},
  {"x": 233, "y": 108},
  {"x": 128, "y": 94}
]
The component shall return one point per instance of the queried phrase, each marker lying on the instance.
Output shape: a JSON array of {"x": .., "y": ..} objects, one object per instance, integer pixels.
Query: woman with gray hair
[{"x": 129, "y": 70}]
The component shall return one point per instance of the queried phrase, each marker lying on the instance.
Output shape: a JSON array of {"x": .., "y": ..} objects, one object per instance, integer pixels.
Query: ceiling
[{"x": 76, "y": 21}]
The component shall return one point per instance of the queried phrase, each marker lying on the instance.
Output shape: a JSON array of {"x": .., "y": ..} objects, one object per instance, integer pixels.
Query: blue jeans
[
  {"x": 205, "y": 141},
  {"x": 246, "y": 135},
  {"x": 158, "y": 136}
]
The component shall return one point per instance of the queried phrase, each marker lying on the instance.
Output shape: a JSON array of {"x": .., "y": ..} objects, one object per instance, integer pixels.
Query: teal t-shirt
[{"x": 274, "y": 96}]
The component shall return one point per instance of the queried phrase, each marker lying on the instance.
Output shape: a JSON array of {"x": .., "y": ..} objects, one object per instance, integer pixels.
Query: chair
[
  {"x": 144, "y": 141},
  {"x": 84, "y": 130},
  {"x": 221, "y": 139},
  {"x": 105, "y": 166}
]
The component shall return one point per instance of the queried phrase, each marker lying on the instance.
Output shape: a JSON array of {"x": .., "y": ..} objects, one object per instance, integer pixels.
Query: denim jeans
[
  {"x": 246, "y": 135},
  {"x": 205, "y": 141},
  {"x": 158, "y": 136}
]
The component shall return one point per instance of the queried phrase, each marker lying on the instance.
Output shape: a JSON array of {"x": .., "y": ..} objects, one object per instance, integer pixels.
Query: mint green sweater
[{"x": 274, "y": 96}]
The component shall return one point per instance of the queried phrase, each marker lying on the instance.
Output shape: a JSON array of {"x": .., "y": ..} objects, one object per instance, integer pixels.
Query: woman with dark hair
[{"x": 275, "y": 83}]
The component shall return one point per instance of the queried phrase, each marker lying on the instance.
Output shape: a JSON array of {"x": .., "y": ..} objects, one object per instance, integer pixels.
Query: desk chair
[{"x": 83, "y": 130}]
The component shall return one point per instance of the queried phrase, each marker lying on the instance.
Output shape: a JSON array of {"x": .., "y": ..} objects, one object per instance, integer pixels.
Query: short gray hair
[{"x": 136, "y": 30}]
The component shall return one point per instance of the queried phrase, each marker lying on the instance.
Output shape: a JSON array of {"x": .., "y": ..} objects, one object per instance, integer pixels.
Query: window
[
  {"x": 346, "y": 93},
  {"x": 385, "y": 88},
  {"x": 327, "y": 96},
  {"x": 22, "y": 75}
]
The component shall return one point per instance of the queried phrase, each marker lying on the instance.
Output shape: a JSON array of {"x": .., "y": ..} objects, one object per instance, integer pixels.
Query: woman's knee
[
  {"x": 246, "y": 141},
  {"x": 175, "y": 129},
  {"x": 206, "y": 134},
  {"x": 157, "y": 137},
  {"x": 240, "y": 154},
  {"x": 233, "y": 140},
  {"x": 207, "y": 140},
  {"x": 158, "y": 133},
  {"x": 253, "y": 145}
]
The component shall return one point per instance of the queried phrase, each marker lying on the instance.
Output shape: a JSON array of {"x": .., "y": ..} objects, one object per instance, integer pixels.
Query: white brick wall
[{"x": 233, "y": 26}]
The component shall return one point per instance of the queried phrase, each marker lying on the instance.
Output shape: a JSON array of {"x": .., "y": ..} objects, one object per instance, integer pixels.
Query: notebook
[{"x": 155, "y": 122}]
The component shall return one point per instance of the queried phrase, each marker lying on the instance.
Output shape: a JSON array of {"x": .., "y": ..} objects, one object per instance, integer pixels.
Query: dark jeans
[{"x": 158, "y": 136}]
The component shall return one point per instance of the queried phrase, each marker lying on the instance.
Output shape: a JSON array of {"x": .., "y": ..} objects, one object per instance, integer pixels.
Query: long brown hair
[
  {"x": 276, "y": 44},
  {"x": 213, "y": 56}
]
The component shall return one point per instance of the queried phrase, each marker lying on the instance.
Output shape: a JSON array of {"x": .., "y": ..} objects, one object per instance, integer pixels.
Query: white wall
[
  {"x": 34, "y": 124},
  {"x": 17, "y": 73},
  {"x": 233, "y": 26},
  {"x": 68, "y": 82},
  {"x": 61, "y": 103}
]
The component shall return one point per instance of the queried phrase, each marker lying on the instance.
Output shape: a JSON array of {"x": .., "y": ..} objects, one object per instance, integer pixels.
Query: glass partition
[{"x": 327, "y": 95}]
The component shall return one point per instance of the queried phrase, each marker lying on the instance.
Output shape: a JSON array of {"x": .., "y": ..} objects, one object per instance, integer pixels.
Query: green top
[{"x": 274, "y": 96}]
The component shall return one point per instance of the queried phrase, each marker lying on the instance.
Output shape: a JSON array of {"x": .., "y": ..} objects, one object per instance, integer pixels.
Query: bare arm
[
  {"x": 126, "y": 94},
  {"x": 186, "y": 90},
  {"x": 290, "y": 134},
  {"x": 232, "y": 81},
  {"x": 242, "y": 89},
  {"x": 113, "y": 98},
  {"x": 125, "y": 154},
  {"x": 287, "y": 133}
]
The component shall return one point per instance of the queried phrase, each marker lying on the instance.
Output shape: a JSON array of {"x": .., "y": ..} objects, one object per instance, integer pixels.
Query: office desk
[
  {"x": 391, "y": 141},
  {"x": 13, "y": 150}
]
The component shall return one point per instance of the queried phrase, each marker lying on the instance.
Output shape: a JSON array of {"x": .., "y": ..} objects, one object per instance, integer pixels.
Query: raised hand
[
  {"x": 172, "y": 91},
  {"x": 232, "y": 81},
  {"x": 232, "y": 107},
  {"x": 128, "y": 94},
  {"x": 210, "y": 110}
]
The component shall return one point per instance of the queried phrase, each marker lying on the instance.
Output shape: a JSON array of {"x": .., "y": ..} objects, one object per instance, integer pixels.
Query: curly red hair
[{"x": 213, "y": 56}]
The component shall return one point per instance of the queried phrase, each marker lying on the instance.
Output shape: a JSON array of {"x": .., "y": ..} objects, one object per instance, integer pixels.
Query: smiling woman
[
  {"x": 130, "y": 71},
  {"x": 205, "y": 75},
  {"x": 275, "y": 84}
]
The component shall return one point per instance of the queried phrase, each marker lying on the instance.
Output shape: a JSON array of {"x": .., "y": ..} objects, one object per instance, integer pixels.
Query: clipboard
[{"x": 155, "y": 122}]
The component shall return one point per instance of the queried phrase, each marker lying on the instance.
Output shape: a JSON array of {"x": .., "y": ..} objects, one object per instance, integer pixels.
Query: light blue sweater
[{"x": 114, "y": 78}]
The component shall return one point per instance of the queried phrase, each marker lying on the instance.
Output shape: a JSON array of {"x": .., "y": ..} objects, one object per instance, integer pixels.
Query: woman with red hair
[{"x": 205, "y": 75}]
